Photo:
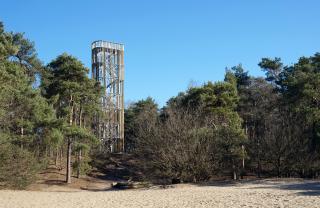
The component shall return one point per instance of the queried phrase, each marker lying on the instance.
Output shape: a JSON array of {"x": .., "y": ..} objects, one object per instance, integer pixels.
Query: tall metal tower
[{"x": 108, "y": 69}]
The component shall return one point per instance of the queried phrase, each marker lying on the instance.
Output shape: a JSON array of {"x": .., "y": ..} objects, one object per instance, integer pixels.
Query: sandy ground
[{"x": 263, "y": 193}]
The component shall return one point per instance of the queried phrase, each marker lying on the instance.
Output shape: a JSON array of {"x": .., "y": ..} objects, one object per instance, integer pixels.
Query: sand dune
[{"x": 265, "y": 193}]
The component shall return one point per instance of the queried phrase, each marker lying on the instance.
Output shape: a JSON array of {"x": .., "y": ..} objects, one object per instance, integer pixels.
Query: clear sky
[{"x": 170, "y": 43}]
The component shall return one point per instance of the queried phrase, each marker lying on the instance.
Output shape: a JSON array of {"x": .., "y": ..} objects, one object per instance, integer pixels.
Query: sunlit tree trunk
[
  {"x": 69, "y": 161},
  {"x": 68, "y": 176},
  {"x": 79, "y": 153}
]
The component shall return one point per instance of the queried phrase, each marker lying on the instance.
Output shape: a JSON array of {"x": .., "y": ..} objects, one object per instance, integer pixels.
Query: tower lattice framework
[{"x": 108, "y": 70}]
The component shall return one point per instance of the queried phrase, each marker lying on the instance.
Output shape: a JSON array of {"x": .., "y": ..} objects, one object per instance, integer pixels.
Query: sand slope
[{"x": 265, "y": 193}]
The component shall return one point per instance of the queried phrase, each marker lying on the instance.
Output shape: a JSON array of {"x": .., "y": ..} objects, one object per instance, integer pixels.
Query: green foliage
[
  {"x": 7, "y": 49},
  {"x": 134, "y": 117},
  {"x": 76, "y": 100},
  {"x": 25, "y": 115},
  {"x": 80, "y": 134},
  {"x": 210, "y": 97},
  {"x": 273, "y": 68},
  {"x": 301, "y": 90},
  {"x": 18, "y": 167},
  {"x": 85, "y": 166},
  {"x": 54, "y": 137}
]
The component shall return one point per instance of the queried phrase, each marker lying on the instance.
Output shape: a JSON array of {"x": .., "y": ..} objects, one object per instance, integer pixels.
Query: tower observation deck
[{"x": 108, "y": 70}]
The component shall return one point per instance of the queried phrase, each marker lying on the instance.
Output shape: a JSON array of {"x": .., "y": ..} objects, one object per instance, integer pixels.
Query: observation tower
[{"x": 108, "y": 70}]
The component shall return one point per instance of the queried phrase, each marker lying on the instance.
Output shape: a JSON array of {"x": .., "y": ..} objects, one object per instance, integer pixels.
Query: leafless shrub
[{"x": 182, "y": 145}]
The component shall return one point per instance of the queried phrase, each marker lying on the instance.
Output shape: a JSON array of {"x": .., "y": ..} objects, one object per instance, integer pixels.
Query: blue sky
[{"x": 170, "y": 43}]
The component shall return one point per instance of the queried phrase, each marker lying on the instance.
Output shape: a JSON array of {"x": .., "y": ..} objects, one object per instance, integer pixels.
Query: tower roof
[{"x": 107, "y": 44}]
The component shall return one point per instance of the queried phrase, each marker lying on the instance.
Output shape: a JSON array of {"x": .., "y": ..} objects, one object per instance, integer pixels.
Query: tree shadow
[
  {"x": 55, "y": 182},
  {"x": 301, "y": 187},
  {"x": 118, "y": 167},
  {"x": 219, "y": 183},
  {"x": 225, "y": 182},
  {"x": 310, "y": 188},
  {"x": 99, "y": 189},
  {"x": 51, "y": 172}
]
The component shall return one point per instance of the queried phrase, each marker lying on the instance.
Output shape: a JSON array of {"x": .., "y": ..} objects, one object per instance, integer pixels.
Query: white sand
[{"x": 266, "y": 193}]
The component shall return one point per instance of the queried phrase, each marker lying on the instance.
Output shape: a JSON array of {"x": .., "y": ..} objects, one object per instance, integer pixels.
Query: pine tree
[{"x": 76, "y": 100}]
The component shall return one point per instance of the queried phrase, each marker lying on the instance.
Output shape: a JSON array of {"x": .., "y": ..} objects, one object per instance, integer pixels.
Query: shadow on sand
[
  {"x": 307, "y": 188},
  {"x": 300, "y": 186},
  {"x": 100, "y": 189}
]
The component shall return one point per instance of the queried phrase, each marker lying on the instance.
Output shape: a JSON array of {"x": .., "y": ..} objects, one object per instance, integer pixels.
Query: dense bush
[
  {"x": 18, "y": 167},
  {"x": 191, "y": 142}
]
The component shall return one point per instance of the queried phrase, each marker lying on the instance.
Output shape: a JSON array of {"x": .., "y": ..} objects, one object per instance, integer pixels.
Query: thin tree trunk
[
  {"x": 22, "y": 133},
  {"x": 80, "y": 117},
  {"x": 243, "y": 155},
  {"x": 79, "y": 153},
  {"x": 79, "y": 163},
  {"x": 61, "y": 155},
  {"x": 50, "y": 153},
  {"x": 278, "y": 168},
  {"x": 234, "y": 171},
  {"x": 57, "y": 157},
  {"x": 68, "y": 175},
  {"x": 258, "y": 148},
  {"x": 246, "y": 129},
  {"x": 259, "y": 168},
  {"x": 68, "y": 179}
]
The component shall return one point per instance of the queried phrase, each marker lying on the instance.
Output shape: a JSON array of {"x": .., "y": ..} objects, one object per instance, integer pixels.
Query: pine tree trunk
[
  {"x": 21, "y": 142},
  {"x": 57, "y": 157},
  {"x": 243, "y": 155},
  {"x": 79, "y": 153},
  {"x": 61, "y": 155},
  {"x": 79, "y": 164},
  {"x": 278, "y": 167},
  {"x": 68, "y": 179},
  {"x": 258, "y": 149},
  {"x": 68, "y": 175},
  {"x": 50, "y": 153},
  {"x": 80, "y": 117},
  {"x": 259, "y": 167},
  {"x": 234, "y": 171}
]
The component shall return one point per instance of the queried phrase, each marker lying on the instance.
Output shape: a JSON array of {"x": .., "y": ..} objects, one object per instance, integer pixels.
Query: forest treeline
[{"x": 242, "y": 126}]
